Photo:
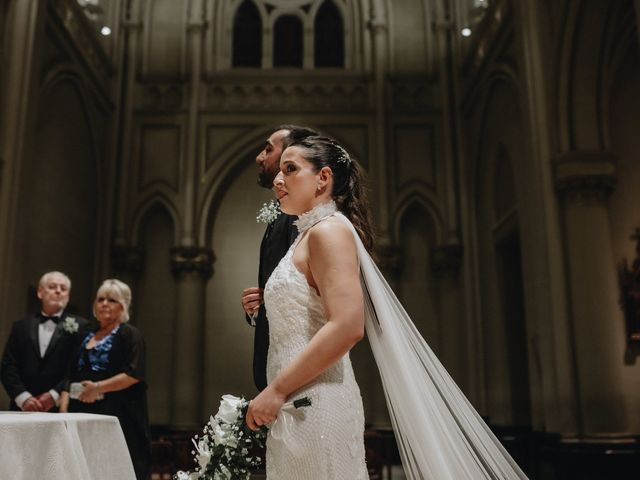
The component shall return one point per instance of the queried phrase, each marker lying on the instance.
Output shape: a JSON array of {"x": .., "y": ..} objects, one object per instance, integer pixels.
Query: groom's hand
[{"x": 251, "y": 299}]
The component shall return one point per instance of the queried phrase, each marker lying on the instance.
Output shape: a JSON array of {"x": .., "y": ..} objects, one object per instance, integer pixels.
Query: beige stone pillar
[
  {"x": 378, "y": 28},
  {"x": 192, "y": 267},
  {"x": 446, "y": 261},
  {"x": 196, "y": 29},
  {"x": 584, "y": 181},
  {"x": 124, "y": 120}
]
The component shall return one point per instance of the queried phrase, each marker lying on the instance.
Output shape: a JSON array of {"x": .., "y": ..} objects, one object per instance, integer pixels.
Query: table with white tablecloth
[{"x": 65, "y": 446}]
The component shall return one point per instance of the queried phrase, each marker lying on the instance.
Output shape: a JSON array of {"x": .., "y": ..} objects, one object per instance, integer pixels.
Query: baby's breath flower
[{"x": 269, "y": 212}]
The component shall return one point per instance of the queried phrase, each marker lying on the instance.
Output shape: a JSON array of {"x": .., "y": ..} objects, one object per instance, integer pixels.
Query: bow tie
[{"x": 44, "y": 318}]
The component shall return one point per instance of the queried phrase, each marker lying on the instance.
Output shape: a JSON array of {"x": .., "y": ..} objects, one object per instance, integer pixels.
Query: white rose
[
  {"x": 219, "y": 435},
  {"x": 229, "y": 409}
]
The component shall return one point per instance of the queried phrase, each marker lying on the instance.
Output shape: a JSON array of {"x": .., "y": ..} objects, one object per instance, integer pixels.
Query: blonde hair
[{"x": 119, "y": 291}]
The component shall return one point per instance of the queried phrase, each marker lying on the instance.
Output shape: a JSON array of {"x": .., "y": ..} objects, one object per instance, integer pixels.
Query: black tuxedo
[
  {"x": 23, "y": 369},
  {"x": 277, "y": 239}
]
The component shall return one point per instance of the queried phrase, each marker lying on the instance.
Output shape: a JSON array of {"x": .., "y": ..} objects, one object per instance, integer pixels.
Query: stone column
[
  {"x": 389, "y": 261},
  {"x": 192, "y": 267},
  {"x": 584, "y": 181},
  {"x": 379, "y": 31},
  {"x": 23, "y": 28},
  {"x": 446, "y": 262},
  {"x": 128, "y": 263},
  {"x": 196, "y": 28},
  {"x": 123, "y": 125}
]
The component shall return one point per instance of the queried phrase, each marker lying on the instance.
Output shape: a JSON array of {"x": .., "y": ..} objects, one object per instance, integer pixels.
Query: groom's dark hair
[{"x": 296, "y": 134}]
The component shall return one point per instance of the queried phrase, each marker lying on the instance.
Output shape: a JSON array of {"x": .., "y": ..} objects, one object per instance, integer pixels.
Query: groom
[
  {"x": 277, "y": 239},
  {"x": 40, "y": 347}
]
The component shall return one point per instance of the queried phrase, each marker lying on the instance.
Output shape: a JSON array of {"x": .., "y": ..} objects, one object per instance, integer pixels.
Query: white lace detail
[
  {"x": 313, "y": 216},
  {"x": 325, "y": 440}
]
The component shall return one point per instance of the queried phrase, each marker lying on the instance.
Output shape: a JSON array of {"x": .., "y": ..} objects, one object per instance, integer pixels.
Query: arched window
[
  {"x": 247, "y": 36},
  {"x": 329, "y": 36},
  {"x": 287, "y": 42}
]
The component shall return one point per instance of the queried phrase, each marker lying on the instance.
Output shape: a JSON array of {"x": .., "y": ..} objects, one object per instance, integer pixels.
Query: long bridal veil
[{"x": 439, "y": 433}]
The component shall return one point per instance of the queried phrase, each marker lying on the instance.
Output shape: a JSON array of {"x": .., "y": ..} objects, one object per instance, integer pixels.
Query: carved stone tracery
[
  {"x": 587, "y": 178},
  {"x": 260, "y": 96},
  {"x": 192, "y": 261}
]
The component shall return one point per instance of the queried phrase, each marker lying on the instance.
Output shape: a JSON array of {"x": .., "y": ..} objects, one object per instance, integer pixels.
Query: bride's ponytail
[{"x": 348, "y": 182}]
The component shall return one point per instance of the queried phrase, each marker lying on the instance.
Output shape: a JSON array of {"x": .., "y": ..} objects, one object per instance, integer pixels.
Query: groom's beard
[{"x": 265, "y": 179}]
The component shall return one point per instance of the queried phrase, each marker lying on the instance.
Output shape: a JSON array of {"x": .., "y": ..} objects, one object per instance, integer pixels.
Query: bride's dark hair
[{"x": 348, "y": 181}]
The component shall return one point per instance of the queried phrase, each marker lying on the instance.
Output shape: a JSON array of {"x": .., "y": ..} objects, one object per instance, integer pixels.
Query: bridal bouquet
[{"x": 223, "y": 450}]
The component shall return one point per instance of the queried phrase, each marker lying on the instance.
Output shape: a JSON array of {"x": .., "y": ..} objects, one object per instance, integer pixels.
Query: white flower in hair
[{"x": 343, "y": 156}]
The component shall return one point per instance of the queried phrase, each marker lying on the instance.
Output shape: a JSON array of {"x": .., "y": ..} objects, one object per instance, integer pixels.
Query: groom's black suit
[
  {"x": 23, "y": 369},
  {"x": 277, "y": 239}
]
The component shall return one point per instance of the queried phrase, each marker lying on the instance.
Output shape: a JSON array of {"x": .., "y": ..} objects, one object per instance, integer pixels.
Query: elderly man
[
  {"x": 40, "y": 347},
  {"x": 279, "y": 235}
]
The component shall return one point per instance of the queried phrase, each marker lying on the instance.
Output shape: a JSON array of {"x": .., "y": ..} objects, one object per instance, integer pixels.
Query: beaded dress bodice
[{"x": 326, "y": 439}]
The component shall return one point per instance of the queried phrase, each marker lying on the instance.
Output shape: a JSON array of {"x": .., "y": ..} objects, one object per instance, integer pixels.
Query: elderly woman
[{"x": 108, "y": 373}]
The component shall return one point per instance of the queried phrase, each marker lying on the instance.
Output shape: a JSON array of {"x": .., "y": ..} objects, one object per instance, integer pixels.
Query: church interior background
[{"x": 501, "y": 141}]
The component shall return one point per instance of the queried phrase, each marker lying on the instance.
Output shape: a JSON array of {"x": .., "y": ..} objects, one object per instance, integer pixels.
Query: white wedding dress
[
  {"x": 439, "y": 433},
  {"x": 325, "y": 440}
]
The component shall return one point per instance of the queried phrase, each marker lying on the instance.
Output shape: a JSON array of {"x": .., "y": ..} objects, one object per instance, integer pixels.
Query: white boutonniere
[
  {"x": 70, "y": 325},
  {"x": 269, "y": 212}
]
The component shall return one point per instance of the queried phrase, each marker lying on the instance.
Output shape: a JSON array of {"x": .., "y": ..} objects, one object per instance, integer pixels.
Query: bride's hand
[{"x": 264, "y": 409}]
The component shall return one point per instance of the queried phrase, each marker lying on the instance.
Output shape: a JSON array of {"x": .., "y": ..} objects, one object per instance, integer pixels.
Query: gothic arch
[
  {"x": 355, "y": 14},
  {"x": 501, "y": 78},
  {"x": 423, "y": 198},
  {"x": 621, "y": 35},
  {"x": 243, "y": 33},
  {"x": 72, "y": 75},
  {"x": 496, "y": 242},
  {"x": 582, "y": 68},
  {"x": 66, "y": 152},
  {"x": 216, "y": 187},
  {"x": 139, "y": 216}
]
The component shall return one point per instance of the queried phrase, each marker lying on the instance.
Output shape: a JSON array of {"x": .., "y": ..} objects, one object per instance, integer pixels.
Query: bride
[{"x": 320, "y": 299}]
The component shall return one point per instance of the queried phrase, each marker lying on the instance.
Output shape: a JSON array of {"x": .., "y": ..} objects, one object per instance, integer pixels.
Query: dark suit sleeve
[
  {"x": 10, "y": 369},
  {"x": 83, "y": 330}
]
